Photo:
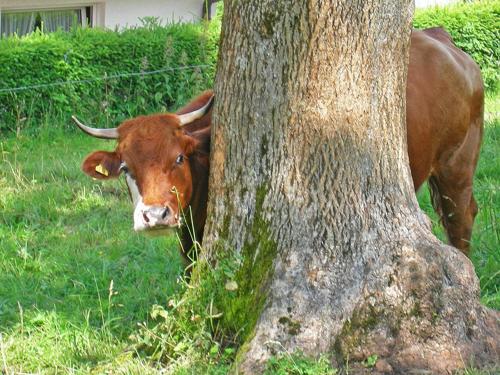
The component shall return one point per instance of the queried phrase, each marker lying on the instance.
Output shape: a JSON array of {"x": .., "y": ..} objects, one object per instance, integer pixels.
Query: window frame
[{"x": 82, "y": 7}]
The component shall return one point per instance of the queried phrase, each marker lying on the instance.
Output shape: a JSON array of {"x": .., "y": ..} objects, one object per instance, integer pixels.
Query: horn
[
  {"x": 188, "y": 118},
  {"x": 111, "y": 133}
]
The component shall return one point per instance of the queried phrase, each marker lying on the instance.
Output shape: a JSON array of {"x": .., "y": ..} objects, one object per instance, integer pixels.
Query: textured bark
[{"x": 310, "y": 184}]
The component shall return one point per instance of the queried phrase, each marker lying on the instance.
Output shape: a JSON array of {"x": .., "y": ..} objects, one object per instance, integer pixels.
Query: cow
[
  {"x": 165, "y": 157},
  {"x": 165, "y": 161},
  {"x": 444, "y": 119}
]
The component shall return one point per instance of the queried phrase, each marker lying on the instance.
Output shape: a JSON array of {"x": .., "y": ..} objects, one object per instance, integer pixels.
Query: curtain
[
  {"x": 53, "y": 20},
  {"x": 21, "y": 23}
]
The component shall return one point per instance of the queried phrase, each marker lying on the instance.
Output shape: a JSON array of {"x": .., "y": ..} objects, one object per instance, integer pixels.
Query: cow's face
[{"x": 153, "y": 155}]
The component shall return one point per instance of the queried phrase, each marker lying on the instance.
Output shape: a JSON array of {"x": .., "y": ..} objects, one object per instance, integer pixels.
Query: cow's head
[{"x": 153, "y": 153}]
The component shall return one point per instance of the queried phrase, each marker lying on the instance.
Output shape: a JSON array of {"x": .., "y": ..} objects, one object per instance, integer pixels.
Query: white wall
[
  {"x": 124, "y": 13},
  {"x": 427, "y": 3}
]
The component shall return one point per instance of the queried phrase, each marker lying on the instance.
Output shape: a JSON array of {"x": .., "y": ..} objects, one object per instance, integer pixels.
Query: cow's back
[{"x": 444, "y": 100}]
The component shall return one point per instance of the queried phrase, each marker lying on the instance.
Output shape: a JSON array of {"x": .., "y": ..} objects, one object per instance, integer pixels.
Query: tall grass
[{"x": 74, "y": 278}]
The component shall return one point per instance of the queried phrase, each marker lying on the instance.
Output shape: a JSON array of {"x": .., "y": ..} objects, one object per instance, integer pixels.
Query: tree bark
[{"x": 310, "y": 185}]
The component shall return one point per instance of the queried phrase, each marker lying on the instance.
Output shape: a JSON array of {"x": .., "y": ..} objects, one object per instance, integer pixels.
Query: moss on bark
[{"x": 242, "y": 307}]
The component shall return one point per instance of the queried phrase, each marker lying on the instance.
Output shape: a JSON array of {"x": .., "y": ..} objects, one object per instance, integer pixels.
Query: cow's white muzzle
[{"x": 150, "y": 218}]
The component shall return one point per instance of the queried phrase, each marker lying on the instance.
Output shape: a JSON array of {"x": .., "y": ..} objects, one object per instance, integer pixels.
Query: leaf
[
  {"x": 231, "y": 286},
  {"x": 214, "y": 350},
  {"x": 371, "y": 361},
  {"x": 180, "y": 346}
]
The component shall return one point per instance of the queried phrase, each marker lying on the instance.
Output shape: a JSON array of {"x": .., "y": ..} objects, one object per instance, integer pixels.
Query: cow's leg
[
  {"x": 457, "y": 210},
  {"x": 451, "y": 189}
]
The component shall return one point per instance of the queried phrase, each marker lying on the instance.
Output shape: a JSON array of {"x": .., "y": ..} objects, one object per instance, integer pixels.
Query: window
[{"x": 23, "y": 22}]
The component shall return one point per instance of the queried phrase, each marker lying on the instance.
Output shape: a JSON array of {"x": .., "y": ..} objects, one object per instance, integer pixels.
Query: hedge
[
  {"x": 475, "y": 28},
  {"x": 95, "y": 56}
]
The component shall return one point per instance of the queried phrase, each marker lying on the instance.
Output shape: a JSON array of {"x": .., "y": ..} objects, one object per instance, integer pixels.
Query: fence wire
[{"x": 102, "y": 78}]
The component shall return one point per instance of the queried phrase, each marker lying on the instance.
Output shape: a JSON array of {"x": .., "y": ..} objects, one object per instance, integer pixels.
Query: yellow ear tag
[{"x": 101, "y": 170}]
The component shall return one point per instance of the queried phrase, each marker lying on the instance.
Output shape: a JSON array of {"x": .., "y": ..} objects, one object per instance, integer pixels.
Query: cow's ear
[
  {"x": 102, "y": 165},
  {"x": 200, "y": 140}
]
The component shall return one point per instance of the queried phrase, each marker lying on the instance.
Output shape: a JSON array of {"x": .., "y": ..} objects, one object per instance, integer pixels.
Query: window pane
[
  {"x": 54, "y": 20},
  {"x": 21, "y": 23}
]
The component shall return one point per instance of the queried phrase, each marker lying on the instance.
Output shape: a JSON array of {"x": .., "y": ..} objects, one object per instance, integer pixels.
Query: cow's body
[
  {"x": 444, "y": 110},
  {"x": 444, "y": 121}
]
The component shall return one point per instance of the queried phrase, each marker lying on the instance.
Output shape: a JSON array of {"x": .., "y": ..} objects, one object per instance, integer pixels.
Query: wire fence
[{"x": 102, "y": 78}]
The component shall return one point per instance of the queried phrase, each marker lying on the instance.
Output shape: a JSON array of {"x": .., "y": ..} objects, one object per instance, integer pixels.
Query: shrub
[
  {"x": 94, "y": 60},
  {"x": 188, "y": 335},
  {"x": 475, "y": 28},
  {"x": 184, "y": 53}
]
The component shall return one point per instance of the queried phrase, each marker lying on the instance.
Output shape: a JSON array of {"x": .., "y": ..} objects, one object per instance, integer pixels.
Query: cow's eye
[
  {"x": 180, "y": 159},
  {"x": 123, "y": 167}
]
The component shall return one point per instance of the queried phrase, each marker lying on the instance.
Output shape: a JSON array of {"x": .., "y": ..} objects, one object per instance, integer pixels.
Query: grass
[
  {"x": 297, "y": 364},
  {"x": 75, "y": 280}
]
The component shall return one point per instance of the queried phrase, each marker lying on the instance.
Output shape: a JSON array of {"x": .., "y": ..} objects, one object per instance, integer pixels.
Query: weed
[
  {"x": 298, "y": 364},
  {"x": 186, "y": 332},
  {"x": 371, "y": 361}
]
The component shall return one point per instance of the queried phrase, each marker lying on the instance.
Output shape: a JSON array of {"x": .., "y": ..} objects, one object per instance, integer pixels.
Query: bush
[
  {"x": 475, "y": 28},
  {"x": 99, "y": 58}
]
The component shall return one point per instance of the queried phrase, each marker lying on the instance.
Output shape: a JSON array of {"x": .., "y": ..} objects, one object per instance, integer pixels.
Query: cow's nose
[{"x": 155, "y": 215}]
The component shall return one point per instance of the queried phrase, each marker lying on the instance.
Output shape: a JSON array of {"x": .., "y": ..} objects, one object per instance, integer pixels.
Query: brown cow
[
  {"x": 444, "y": 116},
  {"x": 165, "y": 160},
  {"x": 444, "y": 124}
]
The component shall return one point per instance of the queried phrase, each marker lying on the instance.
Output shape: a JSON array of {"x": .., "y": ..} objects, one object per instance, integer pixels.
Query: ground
[{"x": 75, "y": 280}]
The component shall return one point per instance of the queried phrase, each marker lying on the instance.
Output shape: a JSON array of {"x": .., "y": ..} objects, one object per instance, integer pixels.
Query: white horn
[
  {"x": 111, "y": 133},
  {"x": 188, "y": 118}
]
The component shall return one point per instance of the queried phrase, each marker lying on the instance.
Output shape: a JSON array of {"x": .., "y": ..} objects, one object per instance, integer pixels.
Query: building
[{"x": 24, "y": 16}]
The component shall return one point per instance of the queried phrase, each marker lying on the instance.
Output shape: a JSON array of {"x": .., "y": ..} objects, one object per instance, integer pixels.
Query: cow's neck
[
  {"x": 199, "y": 168},
  {"x": 199, "y": 164}
]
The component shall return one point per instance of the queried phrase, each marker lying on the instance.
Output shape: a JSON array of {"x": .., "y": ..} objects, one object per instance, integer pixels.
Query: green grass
[
  {"x": 65, "y": 239},
  {"x": 298, "y": 364}
]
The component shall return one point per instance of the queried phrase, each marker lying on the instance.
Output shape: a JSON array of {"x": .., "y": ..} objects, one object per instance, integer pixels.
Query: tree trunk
[{"x": 310, "y": 185}]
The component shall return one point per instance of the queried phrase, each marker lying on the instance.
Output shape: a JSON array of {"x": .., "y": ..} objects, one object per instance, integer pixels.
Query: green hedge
[
  {"x": 475, "y": 28},
  {"x": 95, "y": 56}
]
